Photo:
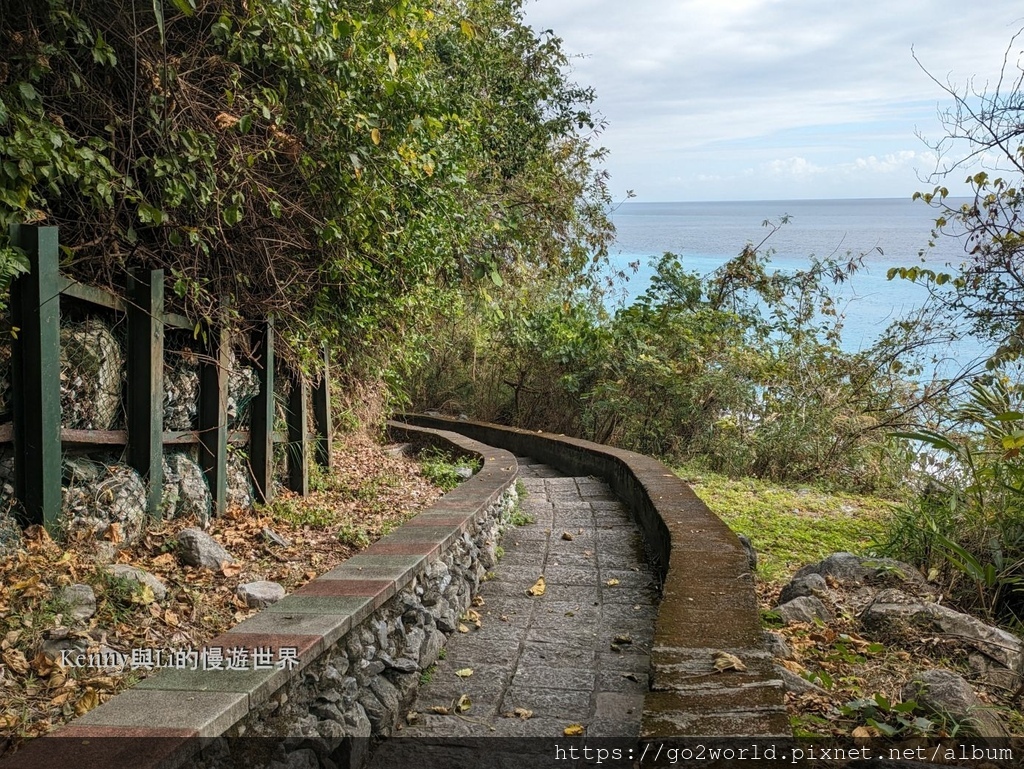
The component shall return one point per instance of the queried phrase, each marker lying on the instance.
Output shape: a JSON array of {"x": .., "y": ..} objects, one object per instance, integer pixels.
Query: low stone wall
[
  {"x": 708, "y": 601},
  {"x": 323, "y": 670}
]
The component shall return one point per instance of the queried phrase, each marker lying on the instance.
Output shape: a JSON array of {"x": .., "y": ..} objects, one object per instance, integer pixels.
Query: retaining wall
[
  {"x": 708, "y": 601},
  {"x": 355, "y": 641}
]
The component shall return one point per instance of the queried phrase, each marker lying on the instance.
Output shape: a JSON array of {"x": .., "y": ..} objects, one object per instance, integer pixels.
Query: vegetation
[
  {"x": 442, "y": 468},
  {"x": 338, "y": 167}
]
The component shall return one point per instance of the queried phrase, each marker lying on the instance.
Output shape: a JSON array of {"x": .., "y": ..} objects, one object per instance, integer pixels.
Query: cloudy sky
[{"x": 776, "y": 99}]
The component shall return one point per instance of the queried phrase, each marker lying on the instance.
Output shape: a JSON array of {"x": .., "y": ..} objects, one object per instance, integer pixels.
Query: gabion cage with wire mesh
[
  {"x": 181, "y": 380},
  {"x": 92, "y": 366},
  {"x": 10, "y": 530},
  {"x": 98, "y": 492},
  {"x": 185, "y": 491}
]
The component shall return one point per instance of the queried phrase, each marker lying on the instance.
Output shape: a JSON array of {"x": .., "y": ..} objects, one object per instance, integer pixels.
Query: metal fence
[{"x": 112, "y": 409}]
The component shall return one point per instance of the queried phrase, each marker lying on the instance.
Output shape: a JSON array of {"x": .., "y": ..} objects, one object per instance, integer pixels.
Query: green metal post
[
  {"x": 322, "y": 415},
  {"x": 213, "y": 417},
  {"x": 298, "y": 437},
  {"x": 146, "y": 375},
  {"x": 35, "y": 306}
]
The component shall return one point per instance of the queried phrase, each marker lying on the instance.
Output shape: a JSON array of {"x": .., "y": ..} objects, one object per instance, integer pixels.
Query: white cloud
[{"x": 709, "y": 89}]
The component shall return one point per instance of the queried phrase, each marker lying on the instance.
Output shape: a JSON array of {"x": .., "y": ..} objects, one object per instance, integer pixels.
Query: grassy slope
[{"x": 791, "y": 527}]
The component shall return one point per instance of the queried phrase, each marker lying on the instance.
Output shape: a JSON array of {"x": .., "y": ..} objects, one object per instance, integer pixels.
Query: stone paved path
[{"x": 578, "y": 654}]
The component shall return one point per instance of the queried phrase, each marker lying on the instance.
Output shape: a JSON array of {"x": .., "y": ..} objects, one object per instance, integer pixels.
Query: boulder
[
  {"x": 806, "y": 609},
  {"x": 893, "y": 608},
  {"x": 794, "y": 683},
  {"x": 748, "y": 546},
  {"x": 124, "y": 571},
  {"x": 80, "y": 601},
  {"x": 259, "y": 594},
  {"x": 776, "y": 644},
  {"x": 946, "y": 694},
  {"x": 799, "y": 587},
  {"x": 197, "y": 548},
  {"x": 849, "y": 570}
]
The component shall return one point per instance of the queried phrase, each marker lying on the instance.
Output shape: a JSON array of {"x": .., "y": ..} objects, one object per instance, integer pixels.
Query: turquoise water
[{"x": 890, "y": 232}]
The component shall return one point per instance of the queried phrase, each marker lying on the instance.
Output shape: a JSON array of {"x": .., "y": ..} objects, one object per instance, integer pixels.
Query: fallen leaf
[
  {"x": 725, "y": 661},
  {"x": 463, "y": 628},
  {"x": 522, "y": 713},
  {"x": 230, "y": 569},
  {"x": 89, "y": 700},
  {"x": 464, "y": 673},
  {"x": 412, "y": 717},
  {"x": 171, "y": 618},
  {"x": 478, "y": 600},
  {"x": 623, "y": 639},
  {"x": 440, "y": 710},
  {"x": 567, "y": 536},
  {"x": 792, "y": 666},
  {"x": 612, "y": 582},
  {"x": 538, "y": 587},
  {"x": 863, "y": 731},
  {"x": 574, "y": 730},
  {"x": 15, "y": 660},
  {"x": 463, "y": 704}
]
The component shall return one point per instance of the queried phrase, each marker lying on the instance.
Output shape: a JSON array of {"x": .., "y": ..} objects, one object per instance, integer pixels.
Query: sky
[{"x": 778, "y": 99}]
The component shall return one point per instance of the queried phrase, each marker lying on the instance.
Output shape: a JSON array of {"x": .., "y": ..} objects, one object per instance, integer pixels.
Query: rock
[
  {"x": 80, "y": 601},
  {"x": 91, "y": 370},
  {"x": 464, "y": 473},
  {"x": 124, "y": 571},
  {"x": 799, "y": 587},
  {"x": 431, "y": 648},
  {"x": 794, "y": 683},
  {"x": 389, "y": 699},
  {"x": 181, "y": 391},
  {"x": 186, "y": 492},
  {"x": 776, "y": 644},
  {"x": 274, "y": 538},
  {"x": 893, "y": 608},
  {"x": 991, "y": 672},
  {"x": 946, "y": 694},
  {"x": 259, "y": 594},
  {"x": 748, "y": 546},
  {"x": 850, "y": 570},
  {"x": 243, "y": 386},
  {"x": 197, "y": 548},
  {"x": 104, "y": 552},
  {"x": 239, "y": 481},
  {"x": 11, "y": 539},
  {"x": 398, "y": 450},
  {"x": 806, "y": 609},
  {"x": 402, "y": 664}
]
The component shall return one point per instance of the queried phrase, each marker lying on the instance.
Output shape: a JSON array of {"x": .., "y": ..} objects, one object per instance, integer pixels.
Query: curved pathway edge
[{"x": 708, "y": 601}]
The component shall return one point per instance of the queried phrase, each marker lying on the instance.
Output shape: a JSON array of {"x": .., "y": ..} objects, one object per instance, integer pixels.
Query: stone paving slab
[{"x": 579, "y": 653}]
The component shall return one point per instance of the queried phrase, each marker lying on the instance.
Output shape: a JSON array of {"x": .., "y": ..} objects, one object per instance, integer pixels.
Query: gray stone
[
  {"x": 80, "y": 601},
  {"x": 776, "y": 644},
  {"x": 259, "y": 594},
  {"x": 11, "y": 539},
  {"x": 796, "y": 684},
  {"x": 91, "y": 372},
  {"x": 402, "y": 664},
  {"x": 893, "y": 608},
  {"x": 809, "y": 584},
  {"x": 464, "y": 473},
  {"x": 806, "y": 609},
  {"x": 124, "y": 571},
  {"x": 96, "y": 495},
  {"x": 197, "y": 548},
  {"x": 850, "y": 570},
  {"x": 186, "y": 492},
  {"x": 946, "y": 694},
  {"x": 748, "y": 546},
  {"x": 431, "y": 648},
  {"x": 274, "y": 538},
  {"x": 388, "y": 697},
  {"x": 375, "y": 710},
  {"x": 104, "y": 552},
  {"x": 239, "y": 481}
]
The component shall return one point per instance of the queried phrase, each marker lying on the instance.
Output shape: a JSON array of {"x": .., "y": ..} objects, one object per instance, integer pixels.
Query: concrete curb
[
  {"x": 708, "y": 600},
  {"x": 174, "y": 707}
]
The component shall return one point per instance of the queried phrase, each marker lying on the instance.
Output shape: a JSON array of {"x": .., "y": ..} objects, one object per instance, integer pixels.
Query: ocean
[{"x": 890, "y": 232}]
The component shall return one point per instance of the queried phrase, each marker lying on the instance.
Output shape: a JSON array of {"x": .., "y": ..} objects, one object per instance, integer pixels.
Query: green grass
[
  {"x": 439, "y": 467},
  {"x": 791, "y": 526}
]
